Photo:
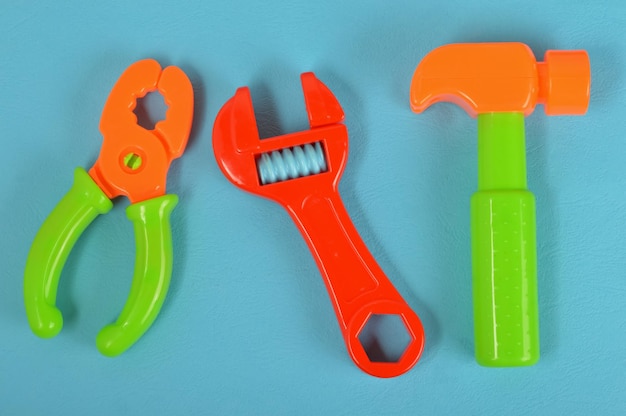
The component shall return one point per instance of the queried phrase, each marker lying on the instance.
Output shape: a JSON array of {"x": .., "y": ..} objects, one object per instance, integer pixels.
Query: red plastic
[
  {"x": 123, "y": 137},
  {"x": 357, "y": 286}
]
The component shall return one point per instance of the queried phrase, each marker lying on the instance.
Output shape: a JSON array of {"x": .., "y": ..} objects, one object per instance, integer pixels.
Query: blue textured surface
[{"x": 247, "y": 327}]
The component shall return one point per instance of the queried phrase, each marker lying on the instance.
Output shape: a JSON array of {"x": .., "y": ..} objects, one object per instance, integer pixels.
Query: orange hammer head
[{"x": 502, "y": 77}]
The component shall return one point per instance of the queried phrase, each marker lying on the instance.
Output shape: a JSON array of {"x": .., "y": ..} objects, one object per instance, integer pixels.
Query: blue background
[{"x": 247, "y": 327}]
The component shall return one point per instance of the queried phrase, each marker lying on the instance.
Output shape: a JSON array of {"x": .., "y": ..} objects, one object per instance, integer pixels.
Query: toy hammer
[{"x": 500, "y": 83}]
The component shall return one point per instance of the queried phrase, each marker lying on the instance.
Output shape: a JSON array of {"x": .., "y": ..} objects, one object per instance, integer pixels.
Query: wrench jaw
[
  {"x": 322, "y": 106},
  {"x": 237, "y": 144},
  {"x": 236, "y": 140}
]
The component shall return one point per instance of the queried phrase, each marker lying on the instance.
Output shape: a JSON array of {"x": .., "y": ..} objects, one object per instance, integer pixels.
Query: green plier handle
[{"x": 55, "y": 240}]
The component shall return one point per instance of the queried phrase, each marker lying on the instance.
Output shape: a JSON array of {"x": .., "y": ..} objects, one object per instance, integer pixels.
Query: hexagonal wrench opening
[{"x": 385, "y": 338}]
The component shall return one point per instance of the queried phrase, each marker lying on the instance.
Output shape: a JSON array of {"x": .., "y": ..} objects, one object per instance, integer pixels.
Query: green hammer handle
[
  {"x": 52, "y": 245},
  {"x": 504, "y": 254}
]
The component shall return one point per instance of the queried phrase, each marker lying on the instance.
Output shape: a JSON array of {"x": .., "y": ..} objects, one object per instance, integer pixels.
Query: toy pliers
[{"x": 133, "y": 162}]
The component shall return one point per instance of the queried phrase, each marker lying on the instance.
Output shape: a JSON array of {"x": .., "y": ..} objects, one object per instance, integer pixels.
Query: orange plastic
[
  {"x": 125, "y": 140},
  {"x": 357, "y": 286},
  {"x": 502, "y": 77}
]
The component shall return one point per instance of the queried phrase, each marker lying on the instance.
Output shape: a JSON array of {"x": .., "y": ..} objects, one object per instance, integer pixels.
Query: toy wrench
[
  {"x": 133, "y": 162},
  {"x": 301, "y": 171}
]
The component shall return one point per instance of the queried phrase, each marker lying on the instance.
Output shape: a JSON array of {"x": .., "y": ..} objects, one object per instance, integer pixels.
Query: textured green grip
[
  {"x": 505, "y": 278},
  {"x": 51, "y": 247},
  {"x": 153, "y": 270},
  {"x": 504, "y": 254}
]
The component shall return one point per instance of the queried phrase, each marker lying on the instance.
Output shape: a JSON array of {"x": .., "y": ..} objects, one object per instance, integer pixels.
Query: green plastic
[
  {"x": 49, "y": 251},
  {"x": 504, "y": 255},
  {"x": 55, "y": 240},
  {"x": 151, "y": 280}
]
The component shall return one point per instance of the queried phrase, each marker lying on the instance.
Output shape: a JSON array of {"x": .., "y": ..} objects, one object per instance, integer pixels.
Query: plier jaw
[{"x": 133, "y": 162}]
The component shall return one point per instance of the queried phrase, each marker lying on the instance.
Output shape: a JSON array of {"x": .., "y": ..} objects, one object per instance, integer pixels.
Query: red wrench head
[
  {"x": 502, "y": 77},
  {"x": 237, "y": 145}
]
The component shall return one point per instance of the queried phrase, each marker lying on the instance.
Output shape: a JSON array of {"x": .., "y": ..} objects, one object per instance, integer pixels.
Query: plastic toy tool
[
  {"x": 133, "y": 162},
  {"x": 301, "y": 172},
  {"x": 500, "y": 83}
]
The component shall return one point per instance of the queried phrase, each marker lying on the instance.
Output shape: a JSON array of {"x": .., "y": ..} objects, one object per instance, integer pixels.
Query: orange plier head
[{"x": 134, "y": 161}]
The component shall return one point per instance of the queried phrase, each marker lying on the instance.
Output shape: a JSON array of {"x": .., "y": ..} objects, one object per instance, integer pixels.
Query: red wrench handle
[{"x": 357, "y": 286}]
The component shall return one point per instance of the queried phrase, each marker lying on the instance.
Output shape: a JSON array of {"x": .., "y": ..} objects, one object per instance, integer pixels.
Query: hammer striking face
[{"x": 500, "y": 83}]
